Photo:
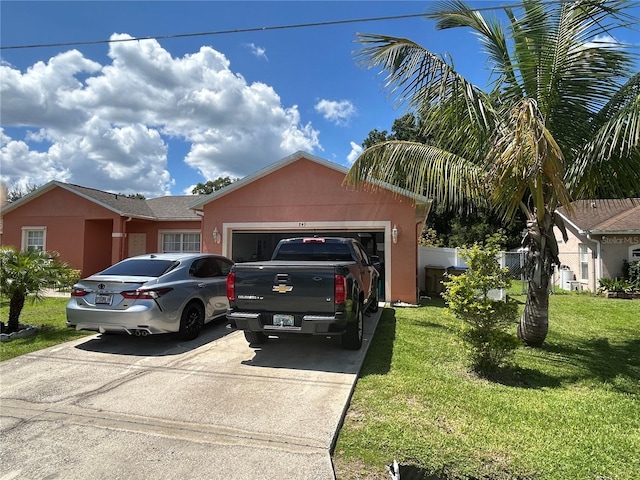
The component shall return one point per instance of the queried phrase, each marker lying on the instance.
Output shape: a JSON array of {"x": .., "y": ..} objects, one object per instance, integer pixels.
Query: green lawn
[
  {"x": 49, "y": 316},
  {"x": 570, "y": 410}
]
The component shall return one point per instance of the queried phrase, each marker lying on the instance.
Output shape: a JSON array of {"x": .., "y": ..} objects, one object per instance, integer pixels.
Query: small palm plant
[{"x": 28, "y": 273}]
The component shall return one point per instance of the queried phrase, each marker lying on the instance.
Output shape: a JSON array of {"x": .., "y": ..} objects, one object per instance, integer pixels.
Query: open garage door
[{"x": 245, "y": 244}]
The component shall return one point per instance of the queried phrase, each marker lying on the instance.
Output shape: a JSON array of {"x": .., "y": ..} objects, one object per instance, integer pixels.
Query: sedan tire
[{"x": 191, "y": 321}]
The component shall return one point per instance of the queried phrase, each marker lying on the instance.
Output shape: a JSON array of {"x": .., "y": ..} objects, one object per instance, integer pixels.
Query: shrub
[{"x": 485, "y": 320}]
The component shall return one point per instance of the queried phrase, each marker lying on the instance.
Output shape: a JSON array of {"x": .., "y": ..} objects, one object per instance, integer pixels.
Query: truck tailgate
[{"x": 300, "y": 287}]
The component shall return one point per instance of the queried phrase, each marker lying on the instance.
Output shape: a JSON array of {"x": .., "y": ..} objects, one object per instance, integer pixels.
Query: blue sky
[{"x": 158, "y": 116}]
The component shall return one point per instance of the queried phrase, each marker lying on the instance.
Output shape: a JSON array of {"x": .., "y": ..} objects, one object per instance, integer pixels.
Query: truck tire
[
  {"x": 255, "y": 338},
  {"x": 373, "y": 306},
  {"x": 352, "y": 337}
]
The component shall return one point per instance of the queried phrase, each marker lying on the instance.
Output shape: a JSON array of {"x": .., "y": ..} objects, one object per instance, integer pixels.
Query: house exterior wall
[
  {"x": 87, "y": 236},
  {"x": 63, "y": 214},
  {"x": 306, "y": 193},
  {"x": 607, "y": 254}
]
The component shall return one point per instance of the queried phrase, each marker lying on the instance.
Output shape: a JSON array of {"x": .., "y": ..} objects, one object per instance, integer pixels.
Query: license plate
[
  {"x": 104, "y": 299},
  {"x": 283, "y": 320}
]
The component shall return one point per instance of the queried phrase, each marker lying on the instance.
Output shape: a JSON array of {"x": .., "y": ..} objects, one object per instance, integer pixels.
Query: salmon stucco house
[{"x": 300, "y": 195}]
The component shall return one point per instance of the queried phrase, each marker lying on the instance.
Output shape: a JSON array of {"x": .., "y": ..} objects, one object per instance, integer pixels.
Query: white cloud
[
  {"x": 259, "y": 52},
  {"x": 110, "y": 130},
  {"x": 353, "y": 154},
  {"x": 338, "y": 112}
]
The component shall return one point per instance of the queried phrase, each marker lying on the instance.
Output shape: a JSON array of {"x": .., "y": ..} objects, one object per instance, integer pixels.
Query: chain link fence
[{"x": 572, "y": 275}]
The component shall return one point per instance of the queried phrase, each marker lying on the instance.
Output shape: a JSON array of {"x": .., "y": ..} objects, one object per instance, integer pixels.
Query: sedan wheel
[{"x": 191, "y": 321}]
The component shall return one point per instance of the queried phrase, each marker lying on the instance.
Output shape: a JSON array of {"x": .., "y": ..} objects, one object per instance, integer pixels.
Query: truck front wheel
[
  {"x": 255, "y": 337},
  {"x": 352, "y": 337}
]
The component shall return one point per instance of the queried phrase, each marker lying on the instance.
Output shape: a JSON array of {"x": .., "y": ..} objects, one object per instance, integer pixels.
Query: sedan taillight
[
  {"x": 145, "y": 294},
  {"x": 78, "y": 292}
]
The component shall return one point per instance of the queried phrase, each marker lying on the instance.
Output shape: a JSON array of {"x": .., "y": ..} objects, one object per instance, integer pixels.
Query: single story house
[
  {"x": 299, "y": 195},
  {"x": 603, "y": 234}
]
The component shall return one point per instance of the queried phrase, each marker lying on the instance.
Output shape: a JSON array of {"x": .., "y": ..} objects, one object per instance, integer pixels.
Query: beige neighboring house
[{"x": 603, "y": 234}]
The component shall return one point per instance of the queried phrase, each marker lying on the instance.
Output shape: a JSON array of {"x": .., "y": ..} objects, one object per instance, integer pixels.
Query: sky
[{"x": 158, "y": 116}]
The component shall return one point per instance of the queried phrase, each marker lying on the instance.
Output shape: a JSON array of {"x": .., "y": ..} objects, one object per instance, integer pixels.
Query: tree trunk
[
  {"x": 534, "y": 323},
  {"x": 15, "y": 308},
  {"x": 541, "y": 258}
]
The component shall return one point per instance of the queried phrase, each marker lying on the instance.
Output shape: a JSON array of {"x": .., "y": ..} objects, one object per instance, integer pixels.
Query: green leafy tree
[
  {"x": 28, "y": 273},
  {"x": 485, "y": 319},
  {"x": 560, "y": 121},
  {"x": 212, "y": 186}
]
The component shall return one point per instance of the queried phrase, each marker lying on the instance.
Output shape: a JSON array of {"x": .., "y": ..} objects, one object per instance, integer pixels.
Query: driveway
[{"x": 116, "y": 407}]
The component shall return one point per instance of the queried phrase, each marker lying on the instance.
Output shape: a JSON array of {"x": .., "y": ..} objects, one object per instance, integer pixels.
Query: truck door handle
[{"x": 202, "y": 285}]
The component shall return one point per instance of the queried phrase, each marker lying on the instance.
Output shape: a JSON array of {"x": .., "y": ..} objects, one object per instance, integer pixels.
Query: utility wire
[{"x": 251, "y": 29}]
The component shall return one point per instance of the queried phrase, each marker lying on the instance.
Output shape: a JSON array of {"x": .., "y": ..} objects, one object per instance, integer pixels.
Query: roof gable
[
  {"x": 300, "y": 155},
  {"x": 605, "y": 216},
  {"x": 161, "y": 208}
]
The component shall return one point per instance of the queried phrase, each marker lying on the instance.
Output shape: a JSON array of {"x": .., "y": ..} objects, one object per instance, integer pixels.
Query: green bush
[{"x": 485, "y": 320}]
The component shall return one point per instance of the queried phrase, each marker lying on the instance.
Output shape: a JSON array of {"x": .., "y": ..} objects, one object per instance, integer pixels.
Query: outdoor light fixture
[
  {"x": 216, "y": 235},
  {"x": 394, "y": 234}
]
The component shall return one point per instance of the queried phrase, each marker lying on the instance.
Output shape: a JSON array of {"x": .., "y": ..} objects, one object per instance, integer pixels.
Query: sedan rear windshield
[{"x": 141, "y": 268}]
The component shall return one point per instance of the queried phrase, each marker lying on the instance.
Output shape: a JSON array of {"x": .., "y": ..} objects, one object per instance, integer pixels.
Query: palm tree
[
  {"x": 24, "y": 273},
  {"x": 559, "y": 121}
]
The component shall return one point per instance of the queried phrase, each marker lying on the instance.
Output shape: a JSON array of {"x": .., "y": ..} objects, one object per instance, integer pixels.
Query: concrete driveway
[{"x": 116, "y": 407}]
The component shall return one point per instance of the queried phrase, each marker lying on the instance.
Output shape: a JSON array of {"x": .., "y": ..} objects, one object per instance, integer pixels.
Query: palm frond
[
  {"x": 609, "y": 164},
  {"x": 428, "y": 85},
  {"x": 526, "y": 161},
  {"x": 421, "y": 169}
]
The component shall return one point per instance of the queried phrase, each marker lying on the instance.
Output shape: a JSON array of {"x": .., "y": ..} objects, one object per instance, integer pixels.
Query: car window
[
  {"x": 204, "y": 268},
  {"x": 225, "y": 266},
  {"x": 314, "y": 252},
  {"x": 140, "y": 268}
]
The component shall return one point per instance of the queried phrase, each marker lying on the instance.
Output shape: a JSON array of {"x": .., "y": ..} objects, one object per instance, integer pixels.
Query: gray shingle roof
[{"x": 605, "y": 215}]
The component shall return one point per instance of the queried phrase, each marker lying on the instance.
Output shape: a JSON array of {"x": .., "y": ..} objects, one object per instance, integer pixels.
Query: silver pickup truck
[{"x": 316, "y": 286}]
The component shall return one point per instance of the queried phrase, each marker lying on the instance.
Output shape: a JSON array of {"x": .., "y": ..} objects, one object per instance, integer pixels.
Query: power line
[{"x": 250, "y": 29}]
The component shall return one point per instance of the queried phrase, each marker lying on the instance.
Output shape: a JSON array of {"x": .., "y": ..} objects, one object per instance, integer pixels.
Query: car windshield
[{"x": 140, "y": 268}]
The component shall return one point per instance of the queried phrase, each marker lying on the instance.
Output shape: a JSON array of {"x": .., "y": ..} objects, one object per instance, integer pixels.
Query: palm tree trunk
[
  {"x": 534, "y": 323},
  {"x": 15, "y": 308},
  {"x": 540, "y": 261}
]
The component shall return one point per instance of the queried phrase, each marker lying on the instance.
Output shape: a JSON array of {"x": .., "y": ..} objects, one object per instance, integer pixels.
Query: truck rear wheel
[
  {"x": 352, "y": 337},
  {"x": 255, "y": 337}
]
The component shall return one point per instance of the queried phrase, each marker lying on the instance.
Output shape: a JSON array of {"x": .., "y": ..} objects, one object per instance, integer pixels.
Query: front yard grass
[
  {"x": 570, "y": 410},
  {"x": 49, "y": 317}
]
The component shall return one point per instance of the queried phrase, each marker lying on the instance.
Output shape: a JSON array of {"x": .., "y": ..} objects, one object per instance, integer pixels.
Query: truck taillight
[
  {"x": 340, "y": 289},
  {"x": 231, "y": 286}
]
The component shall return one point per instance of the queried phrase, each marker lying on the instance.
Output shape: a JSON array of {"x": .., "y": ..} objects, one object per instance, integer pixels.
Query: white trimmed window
[
  {"x": 634, "y": 253},
  {"x": 584, "y": 261},
  {"x": 34, "y": 238},
  {"x": 185, "y": 242}
]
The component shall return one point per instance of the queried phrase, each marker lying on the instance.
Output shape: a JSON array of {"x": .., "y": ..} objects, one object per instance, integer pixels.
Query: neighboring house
[
  {"x": 300, "y": 195},
  {"x": 603, "y": 234},
  {"x": 92, "y": 229}
]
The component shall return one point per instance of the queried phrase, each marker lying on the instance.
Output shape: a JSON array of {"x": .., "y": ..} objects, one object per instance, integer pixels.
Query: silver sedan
[{"x": 152, "y": 293}]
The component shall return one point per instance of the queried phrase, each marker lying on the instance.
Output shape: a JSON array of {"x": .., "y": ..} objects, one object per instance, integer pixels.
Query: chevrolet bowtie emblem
[{"x": 281, "y": 288}]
